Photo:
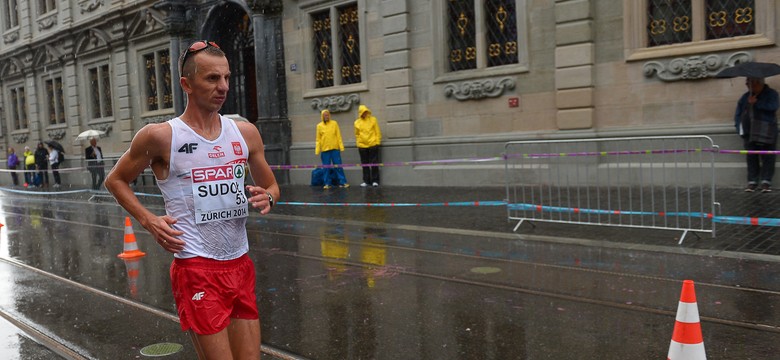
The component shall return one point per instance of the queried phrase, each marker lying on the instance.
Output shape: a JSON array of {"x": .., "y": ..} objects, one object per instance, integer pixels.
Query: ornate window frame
[
  {"x": 142, "y": 74},
  {"x": 635, "y": 32},
  {"x": 11, "y": 107},
  {"x": 10, "y": 22},
  {"x": 46, "y": 6},
  {"x": 310, "y": 89},
  {"x": 441, "y": 53},
  {"x": 44, "y": 105},
  {"x": 88, "y": 91},
  {"x": 47, "y": 13}
]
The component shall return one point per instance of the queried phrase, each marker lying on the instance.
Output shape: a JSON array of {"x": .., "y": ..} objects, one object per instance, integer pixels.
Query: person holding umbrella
[
  {"x": 42, "y": 164},
  {"x": 94, "y": 156},
  {"x": 756, "y": 122}
]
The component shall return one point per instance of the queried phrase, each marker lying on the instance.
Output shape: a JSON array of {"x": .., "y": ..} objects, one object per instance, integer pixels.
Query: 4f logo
[
  {"x": 188, "y": 148},
  {"x": 198, "y": 296}
]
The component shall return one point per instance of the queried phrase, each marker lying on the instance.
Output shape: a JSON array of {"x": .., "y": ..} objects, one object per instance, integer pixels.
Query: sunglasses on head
[{"x": 195, "y": 47}]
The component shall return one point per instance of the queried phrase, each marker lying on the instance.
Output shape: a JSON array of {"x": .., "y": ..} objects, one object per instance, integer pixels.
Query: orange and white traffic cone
[
  {"x": 131, "y": 247},
  {"x": 687, "y": 342}
]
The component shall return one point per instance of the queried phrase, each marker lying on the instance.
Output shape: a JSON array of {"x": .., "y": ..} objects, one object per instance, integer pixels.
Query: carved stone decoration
[
  {"x": 105, "y": 127},
  {"x": 178, "y": 16},
  {"x": 56, "y": 134},
  {"x": 20, "y": 138},
  {"x": 155, "y": 119},
  {"x": 694, "y": 67},
  {"x": 89, "y": 5},
  {"x": 336, "y": 103},
  {"x": 11, "y": 36},
  {"x": 267, "y": 7},
  {"x": 479, "y": 89},
  {"x": 47, "y": 22}
]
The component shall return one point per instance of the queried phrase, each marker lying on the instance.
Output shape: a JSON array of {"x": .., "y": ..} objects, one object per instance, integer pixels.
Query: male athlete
[{"x": 200, "y": 160}]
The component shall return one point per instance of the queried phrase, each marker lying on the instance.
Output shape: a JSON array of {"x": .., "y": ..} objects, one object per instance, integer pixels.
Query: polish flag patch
[{"x": 237, "y": 148}]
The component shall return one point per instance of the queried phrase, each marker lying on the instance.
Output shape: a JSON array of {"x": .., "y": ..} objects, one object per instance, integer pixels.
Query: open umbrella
[
  {"x": 750, "y": 69},
  {"x": 90, "y": 134},
  {"x": 55, "y": 145}
]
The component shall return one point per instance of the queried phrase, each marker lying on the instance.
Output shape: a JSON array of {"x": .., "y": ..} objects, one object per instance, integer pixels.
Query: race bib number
[{"x": 218, "y": 193}]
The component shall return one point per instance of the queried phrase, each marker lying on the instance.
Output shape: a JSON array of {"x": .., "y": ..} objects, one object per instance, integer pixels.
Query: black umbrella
[
  {"x": 750, "y": 69},
  {"x": 55, "y": 145}
]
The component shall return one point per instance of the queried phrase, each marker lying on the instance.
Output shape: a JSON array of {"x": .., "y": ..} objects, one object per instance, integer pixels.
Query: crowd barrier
[
  {"x": 641, "y": 182},
  {"x": 645, "y": 182}
]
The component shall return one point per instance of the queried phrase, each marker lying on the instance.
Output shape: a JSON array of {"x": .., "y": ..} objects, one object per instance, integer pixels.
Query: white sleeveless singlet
[{"x": 204, "y": 191}]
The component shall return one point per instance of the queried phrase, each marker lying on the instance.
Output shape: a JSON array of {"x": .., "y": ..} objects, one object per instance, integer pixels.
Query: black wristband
[{"x": 270, "y": 199}]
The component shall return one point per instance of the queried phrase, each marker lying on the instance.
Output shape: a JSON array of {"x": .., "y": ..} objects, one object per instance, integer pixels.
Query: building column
[
  {"x": 398, "y": 71},
  {"x": 179, "y": 27},
  {"x": 574, "y": 64},
  {"x": 273, "y": 123}
]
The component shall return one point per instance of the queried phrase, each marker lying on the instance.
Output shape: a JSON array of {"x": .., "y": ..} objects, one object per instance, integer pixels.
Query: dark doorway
[{"x": 231, "y": 27}]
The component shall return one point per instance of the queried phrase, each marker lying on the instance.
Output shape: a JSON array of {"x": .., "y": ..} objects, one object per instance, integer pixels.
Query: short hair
[
  {"x": 188, "y": 70},
  {"x": 756, "y": 80}
]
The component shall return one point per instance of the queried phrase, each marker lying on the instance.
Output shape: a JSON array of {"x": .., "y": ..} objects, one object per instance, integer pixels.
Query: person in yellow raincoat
[
  {"x": 368, "y": 137},
  {"x": 329, "y": 146},
  {"x": 29, "y": 165}
]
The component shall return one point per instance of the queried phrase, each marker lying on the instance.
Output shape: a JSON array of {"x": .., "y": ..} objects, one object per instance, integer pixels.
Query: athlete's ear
[{"x": 185, "y": 85}]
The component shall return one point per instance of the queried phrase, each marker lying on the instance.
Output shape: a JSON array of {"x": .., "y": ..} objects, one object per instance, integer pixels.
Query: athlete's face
[{"x": 208, "y": 86}]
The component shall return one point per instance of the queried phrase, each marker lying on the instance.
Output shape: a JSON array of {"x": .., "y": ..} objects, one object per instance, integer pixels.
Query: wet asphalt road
[{"x": 358, "y": 283}]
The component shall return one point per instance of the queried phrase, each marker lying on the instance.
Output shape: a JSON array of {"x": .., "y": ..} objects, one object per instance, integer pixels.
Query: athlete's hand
[
  {"x": 259, "y": 198},
  {"x": 166, "y": 236}
]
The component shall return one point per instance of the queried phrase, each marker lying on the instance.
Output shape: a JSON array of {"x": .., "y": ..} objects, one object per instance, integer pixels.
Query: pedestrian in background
[
  {"x": 756, "y": 122},
  {"x": 54, "y": 162},
  {"x": 29, "y": 165},
  {"x": 329, "y": 146},
  {"x": 94, "y": 156},
  {"x": 368, "y": 138},
  {"x": 42, "y": 165},
  {"x": 13, "y": 162},
  {"x": 212, "y": 276}
]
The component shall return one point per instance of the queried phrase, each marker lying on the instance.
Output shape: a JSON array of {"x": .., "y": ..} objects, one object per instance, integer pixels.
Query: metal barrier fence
[{"x": 641, "y": 182}]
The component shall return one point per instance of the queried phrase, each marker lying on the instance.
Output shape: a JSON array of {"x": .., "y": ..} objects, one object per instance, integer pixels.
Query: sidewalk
[{"x": 729, "y": 237}]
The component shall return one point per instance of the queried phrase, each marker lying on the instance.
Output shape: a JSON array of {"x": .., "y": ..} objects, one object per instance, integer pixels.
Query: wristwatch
[{"x": 270, "y": 199}]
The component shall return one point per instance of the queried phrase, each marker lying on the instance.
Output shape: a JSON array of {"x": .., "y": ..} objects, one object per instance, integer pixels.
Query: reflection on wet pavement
[{"x": 335, "y": 287}]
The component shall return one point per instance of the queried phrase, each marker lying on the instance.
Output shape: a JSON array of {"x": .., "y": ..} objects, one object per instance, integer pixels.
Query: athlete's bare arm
[
  {"x": 150, "y": 147},
  {"x": 264, "y": 179}
]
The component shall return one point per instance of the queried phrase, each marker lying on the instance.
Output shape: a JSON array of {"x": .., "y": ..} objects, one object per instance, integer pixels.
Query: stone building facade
[
  {"x": 578, "y": 69},
  {"x": 447, "y": 79}
]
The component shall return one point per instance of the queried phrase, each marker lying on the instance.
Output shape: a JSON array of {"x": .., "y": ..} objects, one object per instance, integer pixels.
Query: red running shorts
[{"x": 209, "y": 292}]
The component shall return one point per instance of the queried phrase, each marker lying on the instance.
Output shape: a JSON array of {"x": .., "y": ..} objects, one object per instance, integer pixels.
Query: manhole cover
[
  {"x": 485, "y": 270},
  {"x": 161, "y": 349}
]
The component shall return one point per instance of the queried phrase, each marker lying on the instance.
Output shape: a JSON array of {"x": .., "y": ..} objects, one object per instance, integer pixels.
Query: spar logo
[{"x": 214, "y": 173}]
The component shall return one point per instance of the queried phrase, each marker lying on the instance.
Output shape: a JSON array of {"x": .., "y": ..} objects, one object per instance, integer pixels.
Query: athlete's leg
[
  {"x": 212, "y": 347},
  {"x": 244, "y": 338}
]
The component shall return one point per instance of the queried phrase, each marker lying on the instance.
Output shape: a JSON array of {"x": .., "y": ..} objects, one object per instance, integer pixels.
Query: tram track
[{"x": 62, "y": 349}]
